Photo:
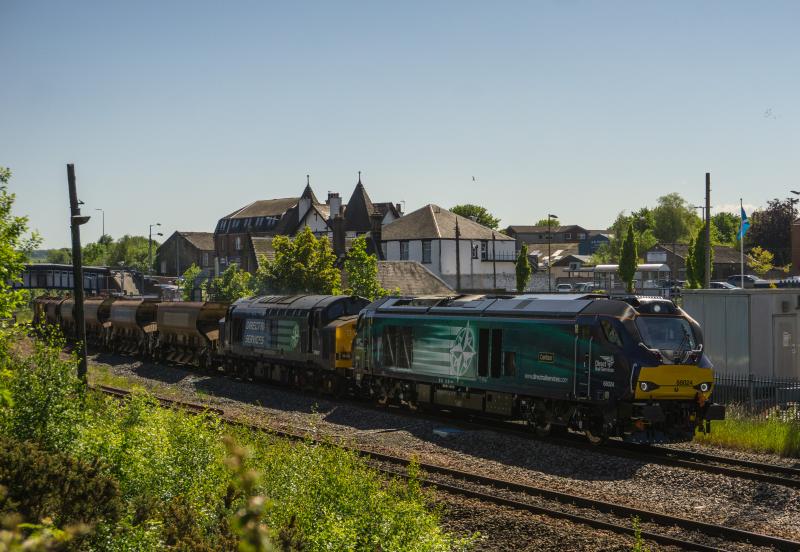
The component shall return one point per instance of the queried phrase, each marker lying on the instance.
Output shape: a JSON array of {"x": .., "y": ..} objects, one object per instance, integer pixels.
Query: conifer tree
[
  {"x": 523, "y": 269},
  {"x": 628, "y": 259}
]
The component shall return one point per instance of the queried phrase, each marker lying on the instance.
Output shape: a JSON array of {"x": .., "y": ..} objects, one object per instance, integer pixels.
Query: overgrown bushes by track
[
  {"x": 778, "y": 433},
  {"x": 100, "y": 474}
]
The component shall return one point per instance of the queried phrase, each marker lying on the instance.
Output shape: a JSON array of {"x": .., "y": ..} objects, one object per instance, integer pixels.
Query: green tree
[
  {"x": 188, "y": 280},
  {"x": 697, "y": 254},
  {"x": 132, "y": 251},
  {"x": 691, "y": 278},
  {"x": 482, "y": 216},
  {"x": 628, "y": 259},
  {"x": 14, "y": 249},
  {"x": 523, "y": 269},
  {"x": 642, "y": 222},
  {"x": 362, "y": 272},
  {"x": 770, "y": 229},
  {"x": 554, "y": 223},
  {"x": 674, "y": 220},
  {"x": 62, "y": 255},
  {"x": 302, "y": 265},
  {"x": 762, "y": 261},
  {"x": 234, "y": 283},
  {"x": 727, "y": 227}
]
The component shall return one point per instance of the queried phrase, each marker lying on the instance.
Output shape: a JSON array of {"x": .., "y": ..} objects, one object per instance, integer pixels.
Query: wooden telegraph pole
[
  {"x": 76, "y": 219},
  {"x": 707, "y": 260}
]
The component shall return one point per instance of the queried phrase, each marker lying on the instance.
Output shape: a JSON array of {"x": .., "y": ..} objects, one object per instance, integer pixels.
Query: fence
[{"x": 759, "y": 396}]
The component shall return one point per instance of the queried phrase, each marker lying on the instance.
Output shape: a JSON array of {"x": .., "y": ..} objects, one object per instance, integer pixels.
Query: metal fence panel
[{"x": 759, "y": 396}]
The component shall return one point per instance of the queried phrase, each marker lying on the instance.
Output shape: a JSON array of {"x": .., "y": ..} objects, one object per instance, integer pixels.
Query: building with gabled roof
[
  {"x": 245, "y": 234},
  {"x": 182, "y": 249},
  {"x": 463, "y": 253}
]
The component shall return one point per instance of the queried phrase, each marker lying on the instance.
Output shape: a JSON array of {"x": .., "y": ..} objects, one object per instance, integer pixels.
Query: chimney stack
[
  {"x": 337, "y": 225},
  {"x": 335, "y": 204},
  {"x": 376, "y": 227},
  {"x": 399, "y": 207}
]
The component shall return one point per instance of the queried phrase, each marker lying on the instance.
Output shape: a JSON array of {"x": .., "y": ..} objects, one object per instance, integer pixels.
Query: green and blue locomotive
[{"x": 632, "y": 368}]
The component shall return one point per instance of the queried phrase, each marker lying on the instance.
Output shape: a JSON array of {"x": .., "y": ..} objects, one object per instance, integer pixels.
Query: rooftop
[{"x": 434, "y": 222}]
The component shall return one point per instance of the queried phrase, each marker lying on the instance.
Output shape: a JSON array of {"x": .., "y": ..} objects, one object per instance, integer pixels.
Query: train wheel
[{"x": 595, "y": 432}]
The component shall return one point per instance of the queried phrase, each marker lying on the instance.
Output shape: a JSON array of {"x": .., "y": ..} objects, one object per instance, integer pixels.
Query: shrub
[
  {"x": 47, "y": 395},
  {"x": 41, "y": 484}
]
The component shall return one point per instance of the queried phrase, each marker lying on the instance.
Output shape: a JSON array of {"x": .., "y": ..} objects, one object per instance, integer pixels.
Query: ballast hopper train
[{"x": 632, "y": 367}]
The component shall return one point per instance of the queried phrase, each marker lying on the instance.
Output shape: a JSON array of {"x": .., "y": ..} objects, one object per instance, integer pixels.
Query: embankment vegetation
[{"x": 82, "y": 471}]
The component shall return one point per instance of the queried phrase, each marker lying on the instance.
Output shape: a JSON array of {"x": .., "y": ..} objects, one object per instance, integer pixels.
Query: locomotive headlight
[
  {"x": 647, "y": 386},
  {"x": 704, "y": 387}
]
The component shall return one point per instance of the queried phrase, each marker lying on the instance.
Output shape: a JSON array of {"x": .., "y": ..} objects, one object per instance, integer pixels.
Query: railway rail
[{"x": 661, "y": 528}]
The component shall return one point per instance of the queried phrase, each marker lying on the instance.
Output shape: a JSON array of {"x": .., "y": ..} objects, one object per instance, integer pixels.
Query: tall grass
[
  {"x": 778, "y": 433},
  {"x": 172, "y": 471}
]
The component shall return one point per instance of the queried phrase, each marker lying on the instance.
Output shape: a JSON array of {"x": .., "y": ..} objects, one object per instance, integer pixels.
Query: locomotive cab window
[
  {"x": 398, "y": 343},
  {"x": 611, "y": 333}
]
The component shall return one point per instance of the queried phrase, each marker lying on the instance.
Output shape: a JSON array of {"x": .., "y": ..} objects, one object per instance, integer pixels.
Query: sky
[{"x": 180, "y": 112}]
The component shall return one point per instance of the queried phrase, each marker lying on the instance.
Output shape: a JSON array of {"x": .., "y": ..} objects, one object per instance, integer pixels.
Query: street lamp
[
  {"x": 150, "y": 248},
  {"x": 104, "y": 221},
  {"x": 549, "y": 242}
]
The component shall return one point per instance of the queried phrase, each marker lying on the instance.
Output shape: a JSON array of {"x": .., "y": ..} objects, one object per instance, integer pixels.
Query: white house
[{"x": 438, "y": 238}]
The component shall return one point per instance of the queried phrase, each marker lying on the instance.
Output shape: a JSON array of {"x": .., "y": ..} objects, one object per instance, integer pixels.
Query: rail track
[
  {"x": 709, "y": 463},
  {"x": 657, "y": 527}
]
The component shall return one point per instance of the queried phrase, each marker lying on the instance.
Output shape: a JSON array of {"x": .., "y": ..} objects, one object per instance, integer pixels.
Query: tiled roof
[
  {"x": 557, "y": 250},
  {"x": 262, "y": 247},
  {"x": 411, "y": 277},
  {"x": 722, "y": 253},
  {"x": 265, "y": 208},
  {"x": 432, "y": 222},
  {"x": 201, "y": 240},
  {"x": 543, "y": 229},
  {"x": 358, "y": 210}
]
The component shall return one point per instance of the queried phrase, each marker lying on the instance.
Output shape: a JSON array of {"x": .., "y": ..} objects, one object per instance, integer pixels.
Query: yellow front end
[
  {"x": 345, "y": 333},
  {"x": 675, "y": 382}
]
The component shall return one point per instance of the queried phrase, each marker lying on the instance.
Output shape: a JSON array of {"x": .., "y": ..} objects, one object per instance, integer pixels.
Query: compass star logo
[
  {"x": 462, "y": 352},
  {"x": 294, "y": 338}
]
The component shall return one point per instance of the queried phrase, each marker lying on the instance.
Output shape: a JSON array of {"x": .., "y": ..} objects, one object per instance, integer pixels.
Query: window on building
[
  {"x": 484, "y": 250},
  {"x": 238, "y": 243},
  {"x": 426, "y": 251},
  {"x": 398, "y": 346},
  {"x": 404, "y": 250},
  {"x": 474, "y": 250},
  {"x": 567, "y": 235},
  {"x": 205, "y": 258}
]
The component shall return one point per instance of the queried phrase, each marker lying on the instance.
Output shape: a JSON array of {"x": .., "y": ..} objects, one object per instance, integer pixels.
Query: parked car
[
  {"x": 564, "y": 288},
  {"x": 721, "y": 285},
  {"x": 750, "y": 281},
  {"x": 584, "y": 287}
]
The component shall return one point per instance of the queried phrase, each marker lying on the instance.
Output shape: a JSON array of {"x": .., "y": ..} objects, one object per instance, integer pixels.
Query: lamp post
[
  {"x": 150, "y": 246},
  {"x": 549, "y": 253},
  {"x": 791, "y": 223},
  {"x": 103, "y": 213}
]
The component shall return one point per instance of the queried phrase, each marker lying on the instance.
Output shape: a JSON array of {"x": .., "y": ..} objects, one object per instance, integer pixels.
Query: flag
[{"x": 744, "y": 226}]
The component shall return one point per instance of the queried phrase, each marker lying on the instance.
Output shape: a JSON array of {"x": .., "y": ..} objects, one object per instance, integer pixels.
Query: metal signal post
[{"x": 76, "y": 219}]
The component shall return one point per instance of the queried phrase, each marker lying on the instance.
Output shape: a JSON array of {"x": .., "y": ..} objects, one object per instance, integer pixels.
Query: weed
[{"x": 779, "y": 433}]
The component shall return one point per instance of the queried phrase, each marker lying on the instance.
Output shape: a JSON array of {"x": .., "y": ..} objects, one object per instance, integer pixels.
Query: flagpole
[{"x": 741, "y": 242}]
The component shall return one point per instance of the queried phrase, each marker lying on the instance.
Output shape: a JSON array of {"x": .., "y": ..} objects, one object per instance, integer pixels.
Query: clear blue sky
[{"x": 180, "y": 112}]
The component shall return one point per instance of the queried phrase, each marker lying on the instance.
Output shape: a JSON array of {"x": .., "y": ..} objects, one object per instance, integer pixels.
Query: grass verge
[{"x": 779, "y": 433}]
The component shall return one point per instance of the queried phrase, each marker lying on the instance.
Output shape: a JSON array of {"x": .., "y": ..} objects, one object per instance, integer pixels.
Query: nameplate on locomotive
[{"x": 547, "y": 357}]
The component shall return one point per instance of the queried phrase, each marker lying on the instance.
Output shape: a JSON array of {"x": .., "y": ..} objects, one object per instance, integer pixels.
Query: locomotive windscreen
[{"x": 666, "y": 333}]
